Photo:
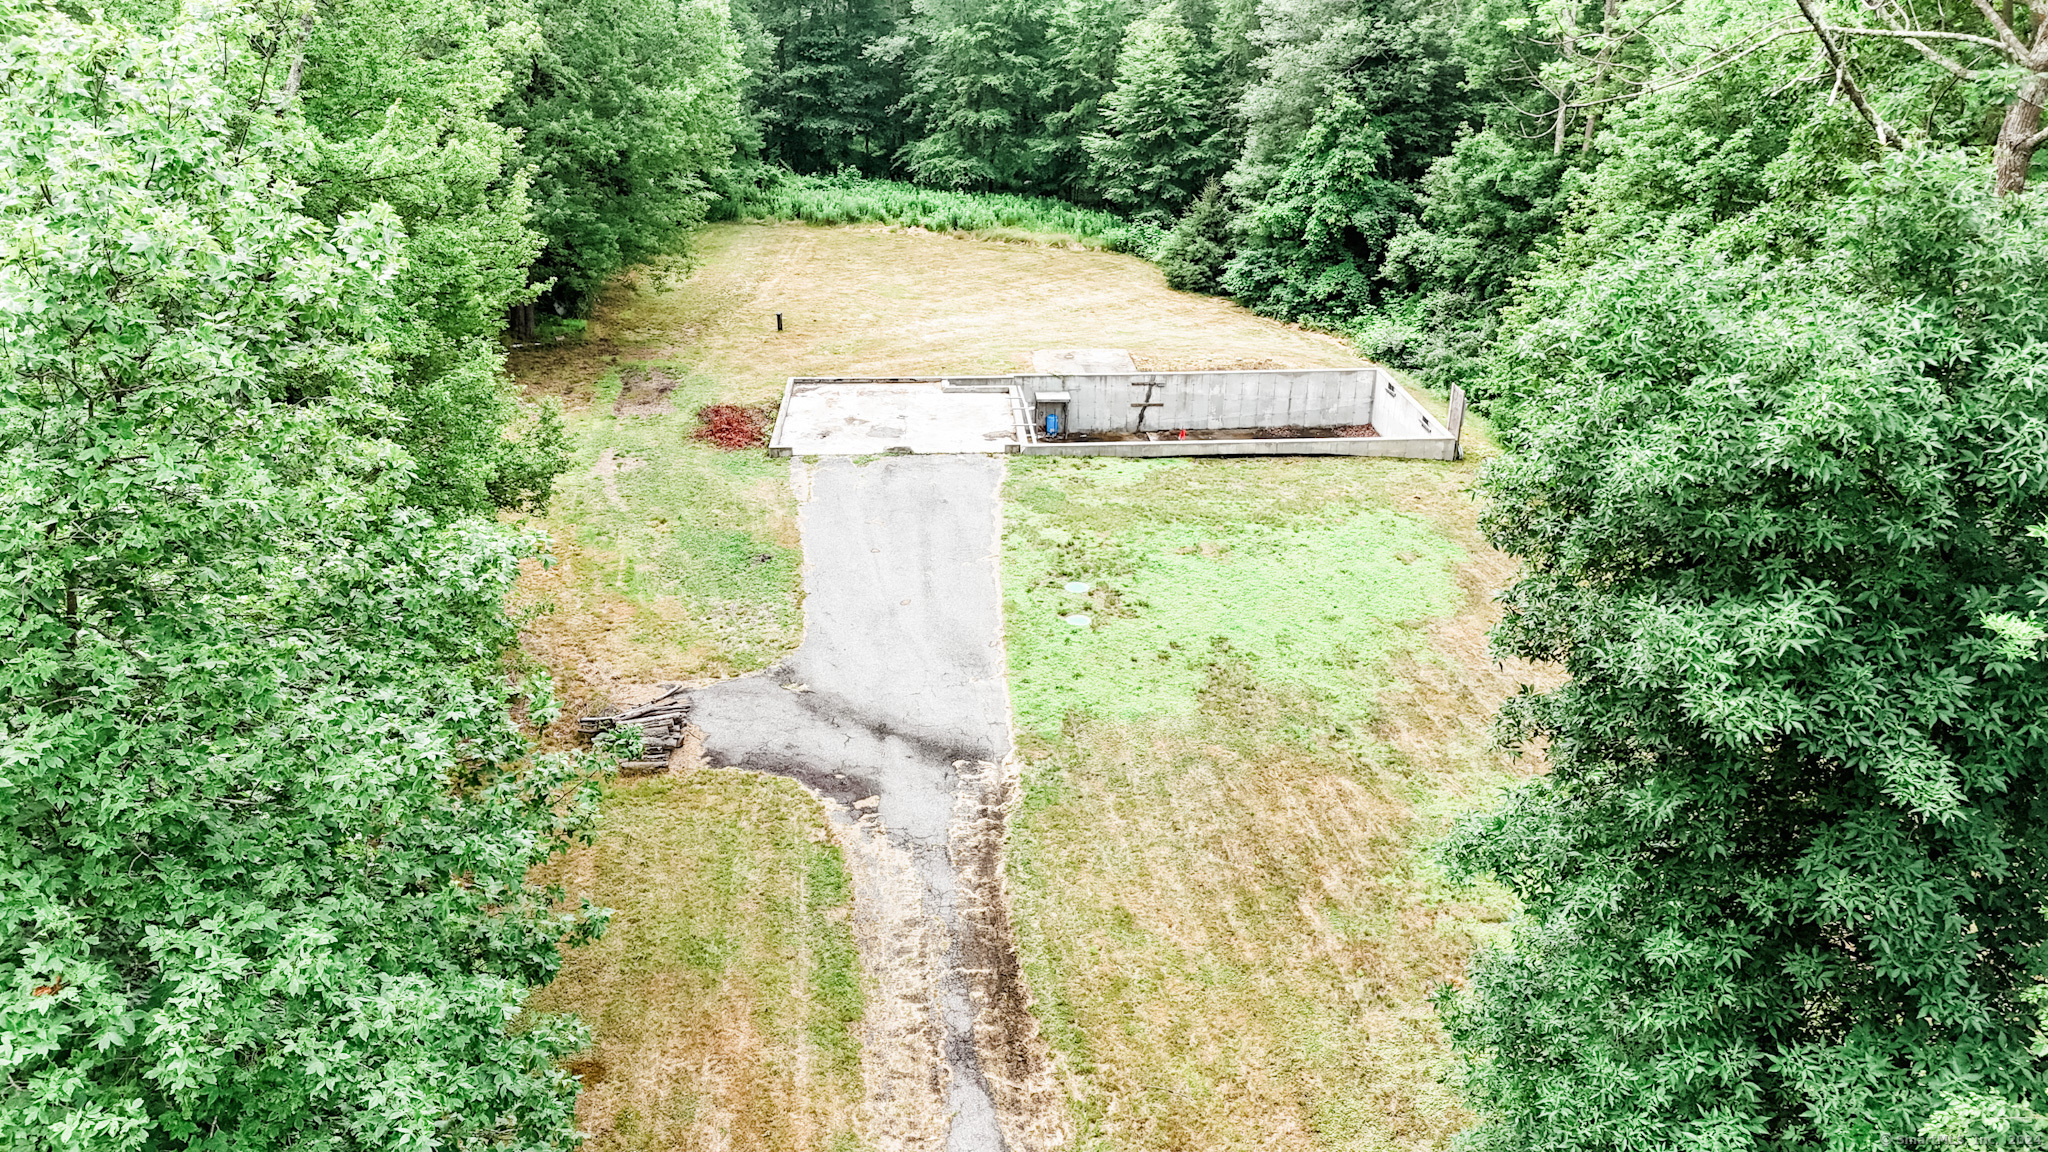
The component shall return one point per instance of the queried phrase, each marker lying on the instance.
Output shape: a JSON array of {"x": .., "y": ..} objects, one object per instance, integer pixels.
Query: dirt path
[{"x": 895, "y": 711}]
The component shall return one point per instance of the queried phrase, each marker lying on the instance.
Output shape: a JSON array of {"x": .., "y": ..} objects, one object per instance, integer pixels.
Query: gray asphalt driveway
[{"x": 896, "y": 712}]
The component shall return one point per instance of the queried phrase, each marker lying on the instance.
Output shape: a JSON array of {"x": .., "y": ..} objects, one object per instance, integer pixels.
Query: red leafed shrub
[{"x": 734, "y": 425}]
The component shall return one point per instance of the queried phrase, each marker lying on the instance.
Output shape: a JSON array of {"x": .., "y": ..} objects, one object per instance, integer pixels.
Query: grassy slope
[{"x": 1215, "y": 865}]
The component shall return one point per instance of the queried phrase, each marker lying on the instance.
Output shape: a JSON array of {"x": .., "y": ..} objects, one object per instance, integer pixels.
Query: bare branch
[
  {"x": 1795, "y": 82},
  {"x": 2035, "y": 141},
  {"x": 1885, "y": 135},
  {"x": 1648, "y": 89},
  {"x": 1893, "y": 34},
  {"x": 1953, "y": 67},
  {"x": 298, "y": 69},
  {"x": 2008, "y": 40}
]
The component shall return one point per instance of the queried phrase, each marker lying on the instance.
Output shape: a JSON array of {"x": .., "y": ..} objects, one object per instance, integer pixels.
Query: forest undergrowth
[{"x": 852, "y": 199}]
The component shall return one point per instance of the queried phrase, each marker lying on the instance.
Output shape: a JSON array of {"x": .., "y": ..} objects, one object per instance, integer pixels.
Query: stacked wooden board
[{"x": 661, "y": 723}]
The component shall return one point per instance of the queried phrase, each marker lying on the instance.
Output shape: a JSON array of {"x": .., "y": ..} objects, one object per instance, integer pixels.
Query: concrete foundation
[
  {"x": 821, "y": 417},
  {"x": 1120, "y": 413}
]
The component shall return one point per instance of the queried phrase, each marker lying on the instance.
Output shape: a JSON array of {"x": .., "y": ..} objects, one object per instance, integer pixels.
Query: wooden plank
[{"x": 1457, "y": 422}]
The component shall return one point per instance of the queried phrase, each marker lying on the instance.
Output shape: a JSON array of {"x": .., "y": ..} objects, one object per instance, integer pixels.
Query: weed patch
[
  {"x": 991, "y": 216},
  {"x": 1126, "y": 579}
]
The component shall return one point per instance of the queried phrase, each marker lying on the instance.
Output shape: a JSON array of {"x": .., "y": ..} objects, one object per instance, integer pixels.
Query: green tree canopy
[
  {"x": 624, "y": 109},
  {"x": 1161, "y": 134},
  {"x": 1783, "y": 498},
  {"x": 1312, "y": 244},
  {"x": 825, "y": 90},
  {"x": 978, "y": 87},
  {"x": 397, "y": 98},
  {"x": 266, "y": 823}
]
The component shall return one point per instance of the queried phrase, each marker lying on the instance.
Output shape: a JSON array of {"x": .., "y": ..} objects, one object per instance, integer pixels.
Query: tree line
[{"x": 1750, "y": 289}]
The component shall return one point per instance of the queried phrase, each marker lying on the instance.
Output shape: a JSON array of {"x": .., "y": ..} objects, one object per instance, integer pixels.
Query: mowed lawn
[
  {"x": 1233, "y": 771},
  {"x": 1247, "y": 697}
]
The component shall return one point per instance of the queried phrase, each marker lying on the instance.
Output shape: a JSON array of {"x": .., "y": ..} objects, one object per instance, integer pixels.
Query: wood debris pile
[{"x": 661, "y": 722}]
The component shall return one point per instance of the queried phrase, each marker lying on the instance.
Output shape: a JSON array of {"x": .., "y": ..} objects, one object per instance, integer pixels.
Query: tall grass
[{"x": 846, "y": 199}]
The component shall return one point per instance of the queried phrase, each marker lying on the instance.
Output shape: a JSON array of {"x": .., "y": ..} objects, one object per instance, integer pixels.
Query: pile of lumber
[{"x": 661, "y": 722}]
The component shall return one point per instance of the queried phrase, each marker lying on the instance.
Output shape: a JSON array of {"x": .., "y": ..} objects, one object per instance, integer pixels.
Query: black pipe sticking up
[{"x": 778, "y": 321}]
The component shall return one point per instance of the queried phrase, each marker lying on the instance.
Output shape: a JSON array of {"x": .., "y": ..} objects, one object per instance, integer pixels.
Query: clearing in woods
[{"x": 1231, "y": 772}]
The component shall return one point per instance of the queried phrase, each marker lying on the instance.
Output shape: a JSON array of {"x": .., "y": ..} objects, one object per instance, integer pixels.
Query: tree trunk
[{"x": 2015, "y": 151}]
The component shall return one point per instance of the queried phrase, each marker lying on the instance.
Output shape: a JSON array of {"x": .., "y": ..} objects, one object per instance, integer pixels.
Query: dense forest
[{"x": 1752, "y": 290}]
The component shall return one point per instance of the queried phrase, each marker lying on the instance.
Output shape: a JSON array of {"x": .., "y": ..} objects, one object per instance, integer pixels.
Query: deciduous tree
[
  {"x": 1785, "y": 517},
  {"x": 265, "y": 821}
]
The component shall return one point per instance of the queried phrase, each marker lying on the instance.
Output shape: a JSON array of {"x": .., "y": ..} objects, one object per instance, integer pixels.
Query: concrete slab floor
[{"x": 859, "y": 419}]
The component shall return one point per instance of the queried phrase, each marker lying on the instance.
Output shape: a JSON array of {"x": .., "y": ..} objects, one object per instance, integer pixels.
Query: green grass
[
  {"x": 1218, "y": 865},
  {"x": 703, "y": 527},
  {"x": 730, "y": 942},
  {"x": 1191, "y": 562},
  {"x": 854, "y": 200}
]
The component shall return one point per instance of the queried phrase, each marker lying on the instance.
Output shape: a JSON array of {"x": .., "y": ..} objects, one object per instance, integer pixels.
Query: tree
[
  {"x": 2004, "y": 49},
  {"x": 822, "y": 96},
  {"x": 978, "y": 91},
  {"x": 1783, "y": 506},
  {"x": 624, "y": 109},
  {"x": 1934, "y": 63},
  {"x": 1313, "y": 243},
  {"x": 391, "y": 103},
  {"x": 265, "y": 821},
  {"x": 397, "y": 98},
  {"x": 1393, "y": 60},
  {"x": 1160, "y": 136},
  {"x": 1198, "y": 249}
]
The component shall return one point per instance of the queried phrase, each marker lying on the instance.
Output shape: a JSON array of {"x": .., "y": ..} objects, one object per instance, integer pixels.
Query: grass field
[
  {"x": 1233, "y": 772},
  {"x": 1219, "y": 863},
  {"x": 726, "y": 993}
]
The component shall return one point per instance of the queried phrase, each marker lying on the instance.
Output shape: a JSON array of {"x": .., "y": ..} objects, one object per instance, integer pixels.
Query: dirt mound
[
  {"x": 735, "y": 425},
  {"x": 643, "y": 392}
]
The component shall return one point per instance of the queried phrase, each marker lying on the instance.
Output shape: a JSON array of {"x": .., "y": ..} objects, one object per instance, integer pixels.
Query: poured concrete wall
[
  {"x": 1418, "y": 448},
  {"x": 1397, "y": 415},
  {"x": 1305, "y": 398}
]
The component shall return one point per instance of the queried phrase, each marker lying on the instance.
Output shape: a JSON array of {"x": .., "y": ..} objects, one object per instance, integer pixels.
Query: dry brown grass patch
[{"x": 724, "y": 995}]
